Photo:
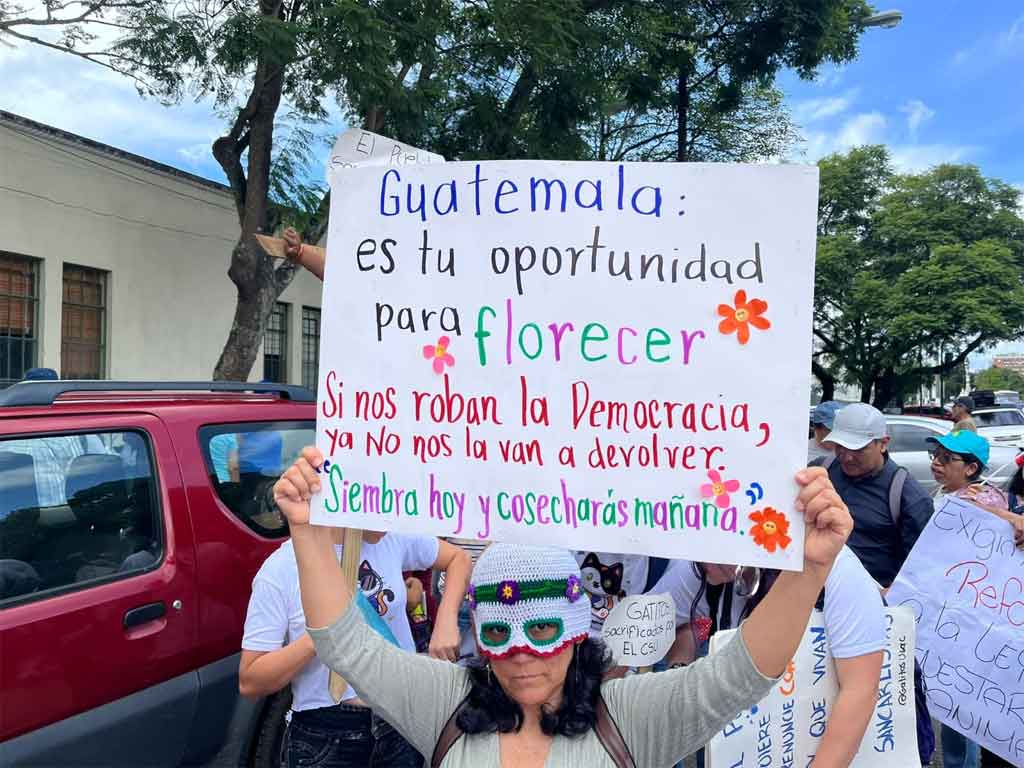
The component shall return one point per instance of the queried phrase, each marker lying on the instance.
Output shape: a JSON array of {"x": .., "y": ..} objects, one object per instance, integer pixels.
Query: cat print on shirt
[
  {"x": 603, "y": 584},
  {"x": 373, "y": 588}
]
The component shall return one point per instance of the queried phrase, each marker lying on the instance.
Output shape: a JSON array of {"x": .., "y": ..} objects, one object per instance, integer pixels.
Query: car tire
[{"x": 266, "y": 752}]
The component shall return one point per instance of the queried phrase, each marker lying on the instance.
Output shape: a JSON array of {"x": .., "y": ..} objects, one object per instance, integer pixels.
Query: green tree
[
  {"x": 498, "y": 79},
  {"x": 912, "y": 268},
  {"x": 701, "y": 73},
  {"x": 999, "y": 378}
]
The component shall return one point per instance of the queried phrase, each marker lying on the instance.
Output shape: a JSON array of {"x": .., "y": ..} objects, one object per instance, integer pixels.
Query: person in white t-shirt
[
  {"x": 854, "y": 621},
  {"x": 277, "y": 651}
]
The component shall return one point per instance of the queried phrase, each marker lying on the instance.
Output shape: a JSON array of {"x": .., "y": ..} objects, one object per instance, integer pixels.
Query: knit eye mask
[{"x": 527, "y": 600}]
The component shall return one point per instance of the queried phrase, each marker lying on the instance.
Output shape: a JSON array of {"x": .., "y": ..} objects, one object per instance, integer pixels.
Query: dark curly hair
[{"x": 488, "y": 709}]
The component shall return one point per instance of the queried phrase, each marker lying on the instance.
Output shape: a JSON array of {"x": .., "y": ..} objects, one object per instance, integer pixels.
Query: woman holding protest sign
[
  {"x": 958, "y": 461},
  {"x": 539, "y": 699},
  {"x": 854, "y": 620}
]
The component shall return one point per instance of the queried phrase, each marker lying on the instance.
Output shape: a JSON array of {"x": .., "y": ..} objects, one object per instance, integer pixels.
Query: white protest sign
[
  {"x": 964, "y": 583},
  {"x": 640, "y": 629},
  {"x": 357, "y": 147},
  {"x": 785, "y": 728},
  {"x": 598, "y": 356}
]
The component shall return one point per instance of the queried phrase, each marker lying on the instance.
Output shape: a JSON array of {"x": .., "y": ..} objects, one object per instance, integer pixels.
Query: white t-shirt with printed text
[
  {"x": 854, "y": 613},
  {"x": 275, "y": 616}
]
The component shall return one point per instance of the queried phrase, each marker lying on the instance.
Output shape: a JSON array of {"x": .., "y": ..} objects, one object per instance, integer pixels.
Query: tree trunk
[
  {"x": 251, "y": 310},
  {"x": 256, "y": 280},
  {"x": 865, "y": 390},
  {"x": 887, "y": 387},
  {"x": 682, "y": 114},
  {"x": 827, "y": 380}
]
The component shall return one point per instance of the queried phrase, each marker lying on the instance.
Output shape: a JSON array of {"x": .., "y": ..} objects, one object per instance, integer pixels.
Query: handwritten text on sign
[
  {"x": 640, "y": 629},
  {"x": 964, "y": 582},
  {"x": 594, "y": 355},
  {"x": 786, "y": 727}
]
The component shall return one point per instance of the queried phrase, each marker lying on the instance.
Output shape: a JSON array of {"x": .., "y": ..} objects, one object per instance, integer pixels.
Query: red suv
[{"x": 133, "y": 517}]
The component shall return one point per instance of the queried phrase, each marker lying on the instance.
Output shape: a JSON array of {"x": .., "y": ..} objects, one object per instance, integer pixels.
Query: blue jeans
[
  {"x": 344, "y": 736},
  {"x": 958, "y": 751}
]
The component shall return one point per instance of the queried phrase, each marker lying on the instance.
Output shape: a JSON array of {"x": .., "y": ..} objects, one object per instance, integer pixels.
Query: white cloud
[
  {"x": 813, "y": 110},
  {"x": 917, "y": 113},
  {"x": 67, "y": 93},
  {"x": 865, "y": 128},
  {"x": 196, "y": 153},
  {"x": 830, "y": 78},
  {"x": 991, "y": 49},
  {"x": 873, "y": 128},
  {"x": 920, "y": 157},
  {"x": 1012, "y": 40}
]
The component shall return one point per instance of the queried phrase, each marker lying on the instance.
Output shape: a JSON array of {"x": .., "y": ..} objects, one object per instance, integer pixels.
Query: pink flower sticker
[
  {"x": 439, "y": 354},
  {"x": 719, "y": 489}
]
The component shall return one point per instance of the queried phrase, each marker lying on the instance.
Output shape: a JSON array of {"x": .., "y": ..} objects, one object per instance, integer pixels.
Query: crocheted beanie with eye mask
[{"x": 527, "y": 600}]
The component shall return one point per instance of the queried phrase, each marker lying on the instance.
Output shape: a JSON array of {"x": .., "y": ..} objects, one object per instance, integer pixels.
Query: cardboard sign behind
[
  {"x": 599, "y": 356},
  {"x": 785, "y": 728},
  {"x": 641, "y": 629},
  {"x": 964, "y": 584}
]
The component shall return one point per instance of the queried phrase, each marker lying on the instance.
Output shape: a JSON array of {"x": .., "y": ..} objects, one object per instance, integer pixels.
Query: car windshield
[{"x": 1008, "y": 418}]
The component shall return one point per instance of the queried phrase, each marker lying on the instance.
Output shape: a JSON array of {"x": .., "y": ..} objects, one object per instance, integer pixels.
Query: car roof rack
[{"x": 46, "y": 392}]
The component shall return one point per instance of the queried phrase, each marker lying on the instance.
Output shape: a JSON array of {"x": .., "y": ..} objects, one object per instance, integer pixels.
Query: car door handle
[{"x": 143, "y": 614}]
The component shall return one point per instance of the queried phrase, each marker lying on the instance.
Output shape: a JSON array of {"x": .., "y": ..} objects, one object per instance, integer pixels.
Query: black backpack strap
[
  {"x": 449, "y": 735},
  {"x": 655, "y": 570},
  {"x": 820, "y": 602},
  {"x": 899, "y": 479},
  {"x": 607, "y": 730},
  {"x": 610, "y": 736}
]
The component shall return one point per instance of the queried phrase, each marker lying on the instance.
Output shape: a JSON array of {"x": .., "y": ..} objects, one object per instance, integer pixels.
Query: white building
[{"x": 114, "y": 266}]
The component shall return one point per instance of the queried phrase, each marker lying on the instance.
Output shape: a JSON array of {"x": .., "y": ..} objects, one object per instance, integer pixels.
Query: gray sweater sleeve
[
  {"x": 416, "y": 694},
  {"x": 666, "y": 715}
]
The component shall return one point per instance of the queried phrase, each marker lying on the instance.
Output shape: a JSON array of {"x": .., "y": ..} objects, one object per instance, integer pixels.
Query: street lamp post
[{"x": 885, "y": 19}]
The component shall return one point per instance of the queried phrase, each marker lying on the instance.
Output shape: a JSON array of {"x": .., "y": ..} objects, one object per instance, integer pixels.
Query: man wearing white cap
[{"x": 889, "y": 508}]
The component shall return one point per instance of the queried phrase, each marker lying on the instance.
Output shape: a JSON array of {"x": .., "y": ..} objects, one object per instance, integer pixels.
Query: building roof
[{"x": 25, "y": 124}]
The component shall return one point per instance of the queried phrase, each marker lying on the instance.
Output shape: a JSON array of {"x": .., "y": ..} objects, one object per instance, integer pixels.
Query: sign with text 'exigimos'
[{"x": 594, "y": 355}]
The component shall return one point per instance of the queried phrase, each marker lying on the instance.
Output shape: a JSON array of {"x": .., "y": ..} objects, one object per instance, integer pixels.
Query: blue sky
[{"x": 946, "y": 85}]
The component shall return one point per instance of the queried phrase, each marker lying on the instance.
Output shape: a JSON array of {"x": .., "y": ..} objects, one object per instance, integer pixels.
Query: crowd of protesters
[{"x": 524, "y": 680}]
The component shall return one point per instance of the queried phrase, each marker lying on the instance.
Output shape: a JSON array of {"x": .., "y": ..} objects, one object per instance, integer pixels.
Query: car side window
[
  {"x": 905, "y": 437},
  {"x": 245, "y": 460},
  {"x": 75, "y": 510}
]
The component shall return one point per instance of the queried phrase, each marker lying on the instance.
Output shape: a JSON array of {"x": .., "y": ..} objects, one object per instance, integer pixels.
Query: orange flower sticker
[
  {"x": 770, "y": 529},
  {"x": 739, "y": 318}
]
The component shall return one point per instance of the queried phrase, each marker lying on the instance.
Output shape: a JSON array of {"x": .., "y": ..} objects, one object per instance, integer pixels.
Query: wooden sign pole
[{"x": 351, "y": 547}]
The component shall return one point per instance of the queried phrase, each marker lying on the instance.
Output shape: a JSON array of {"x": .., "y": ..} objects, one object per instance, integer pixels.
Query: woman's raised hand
[
  {"x": 827, "y": 518},
  {"x": 297, "y": 485}
]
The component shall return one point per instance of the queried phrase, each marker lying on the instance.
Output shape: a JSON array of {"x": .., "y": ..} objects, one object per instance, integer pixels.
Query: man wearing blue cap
[{"x": 821, "y": 422}]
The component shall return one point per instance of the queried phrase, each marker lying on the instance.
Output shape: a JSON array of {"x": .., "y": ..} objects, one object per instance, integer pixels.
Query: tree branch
[{"x": 958, "y": 360}]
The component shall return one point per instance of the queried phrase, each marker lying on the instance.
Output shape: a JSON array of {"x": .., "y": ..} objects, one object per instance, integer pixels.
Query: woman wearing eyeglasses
[
  {"x": 958, "y": 461},
  {"x": 854, "y": 623}
]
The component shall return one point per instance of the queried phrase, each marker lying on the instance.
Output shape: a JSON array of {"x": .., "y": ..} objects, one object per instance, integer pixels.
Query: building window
[
  {"x": 275, "y": 345},
  {"x": 310, "y": 347},
  {"x": 19, "y": 316},
  {"x": 83, "y": 340}
]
